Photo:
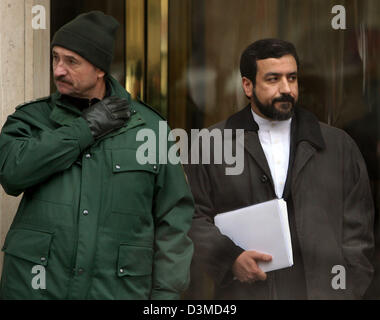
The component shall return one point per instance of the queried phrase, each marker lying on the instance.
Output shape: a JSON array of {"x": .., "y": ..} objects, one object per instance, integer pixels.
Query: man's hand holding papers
[
  {"x": 245, "y": 268},
  {"x": 262, "y": 230}
]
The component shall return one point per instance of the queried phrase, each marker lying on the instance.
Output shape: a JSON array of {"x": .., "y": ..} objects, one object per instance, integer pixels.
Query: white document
[{"x": 263, "y": 228}]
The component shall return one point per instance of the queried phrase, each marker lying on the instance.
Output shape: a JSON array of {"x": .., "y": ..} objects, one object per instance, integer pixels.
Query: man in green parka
[{"x": 93, "y": 223}]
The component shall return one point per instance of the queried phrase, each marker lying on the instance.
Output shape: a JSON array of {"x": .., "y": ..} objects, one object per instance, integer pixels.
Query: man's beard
[{"x": 270, "y": 111}]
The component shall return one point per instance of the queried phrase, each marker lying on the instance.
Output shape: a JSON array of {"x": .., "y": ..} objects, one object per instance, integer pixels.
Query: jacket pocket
[
  {"x": 25, "y": 250},
  {"x": 132, "y": 183},
  {"x": 29, "y": 245},
  {"x": 134, "y": 261},
  {"x": 125, "y": 160}
]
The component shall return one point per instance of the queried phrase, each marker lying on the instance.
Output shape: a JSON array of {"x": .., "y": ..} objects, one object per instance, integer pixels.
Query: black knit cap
[{"x": 92, "y": 36}]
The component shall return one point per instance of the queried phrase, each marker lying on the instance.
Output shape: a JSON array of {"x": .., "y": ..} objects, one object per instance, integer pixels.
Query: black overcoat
[{"x": 332, "y": 209}]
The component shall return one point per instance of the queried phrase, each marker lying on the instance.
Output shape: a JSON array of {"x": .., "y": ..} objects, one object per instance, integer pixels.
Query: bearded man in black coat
[{"x": 317, "y": 169}]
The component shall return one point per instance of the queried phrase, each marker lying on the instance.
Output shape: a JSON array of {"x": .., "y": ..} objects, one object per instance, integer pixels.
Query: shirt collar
[{"x": 304, "y": 124}]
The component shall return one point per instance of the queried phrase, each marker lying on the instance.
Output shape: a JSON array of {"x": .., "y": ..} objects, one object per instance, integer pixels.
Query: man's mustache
[
  {"x": 284, "y": 98},
  {"x": 62, "y": 79}
]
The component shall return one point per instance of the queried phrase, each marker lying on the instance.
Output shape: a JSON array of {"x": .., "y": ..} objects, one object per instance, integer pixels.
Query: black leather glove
[{"x": 106, "y": 116}]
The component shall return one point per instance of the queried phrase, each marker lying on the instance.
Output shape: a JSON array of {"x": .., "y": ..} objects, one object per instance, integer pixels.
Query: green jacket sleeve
[
  {"x": 31, "y": 153},
  {"x": 173, "y": 212}
]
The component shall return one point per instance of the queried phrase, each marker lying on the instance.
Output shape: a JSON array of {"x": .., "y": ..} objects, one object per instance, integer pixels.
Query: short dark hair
[{"x": 264, "y": 49}]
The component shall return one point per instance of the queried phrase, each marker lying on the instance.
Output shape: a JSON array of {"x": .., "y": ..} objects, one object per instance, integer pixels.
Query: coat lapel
[
  {"x": 253, "y": 146},
  {"x": 244, "y": 120},
  {"x": 307, "y": 140},
  {"x": 304, "y": 153}
]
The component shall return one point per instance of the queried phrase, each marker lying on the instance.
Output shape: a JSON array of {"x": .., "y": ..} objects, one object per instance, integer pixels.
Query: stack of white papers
[{"x": 263, "y": 228}]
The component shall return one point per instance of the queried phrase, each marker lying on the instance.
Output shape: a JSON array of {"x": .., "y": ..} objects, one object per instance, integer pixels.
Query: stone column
[{"x": 24, "y": 71}]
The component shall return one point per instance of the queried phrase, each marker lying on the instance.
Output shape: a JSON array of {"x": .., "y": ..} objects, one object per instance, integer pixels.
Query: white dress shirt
[{"x": 275, "y": 140}]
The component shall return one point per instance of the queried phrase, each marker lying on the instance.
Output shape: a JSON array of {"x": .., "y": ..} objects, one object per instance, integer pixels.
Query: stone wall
[{"x": 24, "y": 72}]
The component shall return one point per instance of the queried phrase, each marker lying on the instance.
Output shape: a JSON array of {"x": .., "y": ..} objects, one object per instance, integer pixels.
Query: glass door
[{"x": 190, "y": 53}]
